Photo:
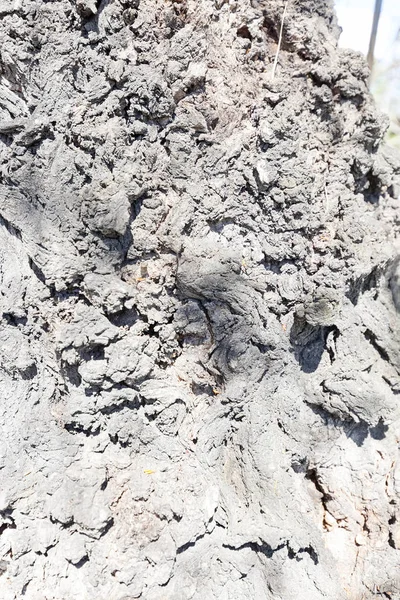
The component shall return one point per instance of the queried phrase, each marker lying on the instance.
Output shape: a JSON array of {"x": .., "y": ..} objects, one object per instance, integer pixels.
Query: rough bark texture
[{"x": 199, "y": 337}]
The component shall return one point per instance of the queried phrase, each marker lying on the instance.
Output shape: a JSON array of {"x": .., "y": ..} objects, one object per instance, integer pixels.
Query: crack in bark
[
  {"x": 372, "y": 339},
  {"x": 312, "y": 475},
  {"x": 262, "y": 548},
  {"x": 268, "y": 551}
]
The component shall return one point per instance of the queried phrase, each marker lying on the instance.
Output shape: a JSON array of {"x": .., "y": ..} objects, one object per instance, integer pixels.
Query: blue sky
[{"x": 355, "y": 17}]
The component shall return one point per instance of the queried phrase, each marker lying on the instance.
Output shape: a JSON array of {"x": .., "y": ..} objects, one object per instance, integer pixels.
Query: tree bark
[{"x": 199, "y": 337}]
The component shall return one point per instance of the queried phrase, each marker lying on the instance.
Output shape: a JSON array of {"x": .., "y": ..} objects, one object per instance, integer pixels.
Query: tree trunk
[{"x": 199, "y": 338}]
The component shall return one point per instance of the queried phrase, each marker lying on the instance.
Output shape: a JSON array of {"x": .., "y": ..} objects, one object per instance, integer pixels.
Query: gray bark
[{"x": 199, "y": 337}]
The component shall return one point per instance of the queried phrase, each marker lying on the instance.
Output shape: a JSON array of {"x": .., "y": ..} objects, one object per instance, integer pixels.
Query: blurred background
[{"x": 381, "y": 44}]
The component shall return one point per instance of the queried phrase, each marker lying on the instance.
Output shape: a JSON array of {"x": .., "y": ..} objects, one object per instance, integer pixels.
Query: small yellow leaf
[
  {"x": 216, "y": 392},
  {"x": 148, "y": 471}
]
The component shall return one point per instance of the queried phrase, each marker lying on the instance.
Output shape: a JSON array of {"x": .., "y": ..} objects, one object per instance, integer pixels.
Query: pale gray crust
[{"x": 199, "y": 343}]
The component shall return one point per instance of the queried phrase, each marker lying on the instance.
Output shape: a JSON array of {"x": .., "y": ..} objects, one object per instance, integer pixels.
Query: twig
[{"x": 280, "y": 40}]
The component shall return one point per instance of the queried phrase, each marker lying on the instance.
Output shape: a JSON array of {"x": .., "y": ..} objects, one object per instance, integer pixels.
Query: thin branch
[
  {"x": 280, "y": 40},
  {"x": 374, "y": 31}
]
